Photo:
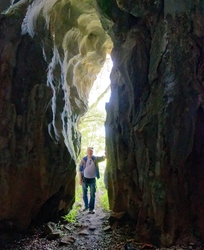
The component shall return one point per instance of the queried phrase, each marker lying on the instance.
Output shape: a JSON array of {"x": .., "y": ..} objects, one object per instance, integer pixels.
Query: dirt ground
[{"x": 89, "y": 232}]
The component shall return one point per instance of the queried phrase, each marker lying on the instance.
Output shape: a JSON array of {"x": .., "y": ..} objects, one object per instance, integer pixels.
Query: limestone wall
[
  {"x": 154, "y": 127},
  {"x": 51, "y": 52}
]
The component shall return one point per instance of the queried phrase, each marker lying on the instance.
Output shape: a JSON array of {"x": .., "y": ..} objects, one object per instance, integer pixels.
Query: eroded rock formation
[
  {"x": 154, "y": 126},
  {"x": 4, "y": 4},
  {"x": 51, "y": 52}
]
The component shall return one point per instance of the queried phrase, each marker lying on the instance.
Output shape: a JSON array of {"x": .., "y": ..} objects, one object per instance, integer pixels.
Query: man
[{"x": 88, "y": 171}]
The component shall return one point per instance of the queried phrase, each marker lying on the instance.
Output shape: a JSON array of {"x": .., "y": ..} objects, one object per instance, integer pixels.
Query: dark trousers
[{"x": 91, "y": 184}]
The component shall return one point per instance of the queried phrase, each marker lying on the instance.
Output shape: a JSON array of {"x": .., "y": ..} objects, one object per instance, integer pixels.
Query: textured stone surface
[
  {"x": 50, "y": 54},
  {"x": 4, "y": 4},
  {"x": 154, "y": 124}
]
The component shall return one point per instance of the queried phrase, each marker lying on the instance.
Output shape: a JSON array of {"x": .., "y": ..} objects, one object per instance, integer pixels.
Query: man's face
[{"x": 89, "y": 152}]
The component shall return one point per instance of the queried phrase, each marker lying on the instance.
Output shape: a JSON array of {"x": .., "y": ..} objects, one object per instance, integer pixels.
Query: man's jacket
[{"x": 95, "y": 159}]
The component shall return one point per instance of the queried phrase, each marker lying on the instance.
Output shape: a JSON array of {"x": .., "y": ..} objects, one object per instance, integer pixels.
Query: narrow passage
[
  {"x": 89, "y": 232},
  {"x": 96, "y": 231}
]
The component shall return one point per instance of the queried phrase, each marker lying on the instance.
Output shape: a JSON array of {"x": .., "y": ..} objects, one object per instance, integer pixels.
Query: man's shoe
[
  {"x": 85, "y": 209},
  {"x": 91, "y": 212}
]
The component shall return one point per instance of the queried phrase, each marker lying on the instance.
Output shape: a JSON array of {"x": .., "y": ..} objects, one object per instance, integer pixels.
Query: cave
[{"x": 50, "y": 55}]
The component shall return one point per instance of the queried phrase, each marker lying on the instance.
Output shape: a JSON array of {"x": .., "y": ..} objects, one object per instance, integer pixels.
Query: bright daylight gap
[{"x": 93, "y": 134}]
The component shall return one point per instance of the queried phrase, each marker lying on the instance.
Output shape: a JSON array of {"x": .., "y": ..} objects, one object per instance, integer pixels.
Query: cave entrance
[{"x": 92, "y": 130}]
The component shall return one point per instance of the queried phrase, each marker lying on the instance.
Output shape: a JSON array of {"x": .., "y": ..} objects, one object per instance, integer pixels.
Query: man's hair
[{"x": 90, "y": 148}]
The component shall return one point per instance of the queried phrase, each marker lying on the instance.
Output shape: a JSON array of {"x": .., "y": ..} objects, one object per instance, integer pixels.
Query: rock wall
[
  {"x": 50, "y": 54},
  {"x": 154, "y": 127},
  {"x": 4, "y": 4}
]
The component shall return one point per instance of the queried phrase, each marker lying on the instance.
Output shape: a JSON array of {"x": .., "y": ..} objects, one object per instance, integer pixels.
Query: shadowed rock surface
[
  {"x": 154, "y": 126},
  {"x": 4, "y": 4},
  {"x": 50, "y": 54}
]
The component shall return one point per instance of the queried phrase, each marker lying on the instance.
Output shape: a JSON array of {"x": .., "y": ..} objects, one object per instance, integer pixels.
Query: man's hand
[
  {"x": 80, "y": 181},
  {"x": 104, "y": 156}
]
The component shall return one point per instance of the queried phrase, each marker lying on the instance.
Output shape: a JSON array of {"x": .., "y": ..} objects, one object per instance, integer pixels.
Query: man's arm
[
  {"x": 100, "y": 158},
  {"x": 80, "y": 172},
  {"x": 80, "y": 178}
]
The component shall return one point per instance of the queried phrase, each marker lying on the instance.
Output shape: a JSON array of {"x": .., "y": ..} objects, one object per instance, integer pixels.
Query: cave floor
[{"x": 89, "y": 232}]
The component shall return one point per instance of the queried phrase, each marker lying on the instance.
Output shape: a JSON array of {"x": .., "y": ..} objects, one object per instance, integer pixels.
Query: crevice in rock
[{"x": 50, "y": 54}]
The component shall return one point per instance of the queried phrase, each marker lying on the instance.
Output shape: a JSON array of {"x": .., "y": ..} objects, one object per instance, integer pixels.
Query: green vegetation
[
  {"x": 71, "y": 216},
  {"x": 91, "y": 127},
  {"x": 104, "y": 200},
  {"x": 102, "y": 192}
]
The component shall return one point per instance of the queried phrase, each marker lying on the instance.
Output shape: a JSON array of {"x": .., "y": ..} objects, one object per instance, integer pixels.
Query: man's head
[{"x": 89, "y": 151}]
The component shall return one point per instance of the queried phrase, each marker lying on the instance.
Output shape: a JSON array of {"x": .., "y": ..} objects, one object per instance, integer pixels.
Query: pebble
[
  {"x": 49, "y": 228},
  {"x": 67, "y": 228},
  {"x": 54, "y": 235},
  {"x": 108, "y": 228},
  {"x": 89, "y": 233},
  {"x": 67, "y": 240},
  {"x": 83, "y": 232},
  {"x": 92, "y": 227}
]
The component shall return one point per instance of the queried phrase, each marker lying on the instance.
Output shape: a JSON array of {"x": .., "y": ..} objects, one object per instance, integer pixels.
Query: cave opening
[{"x": 92, "y": 129}]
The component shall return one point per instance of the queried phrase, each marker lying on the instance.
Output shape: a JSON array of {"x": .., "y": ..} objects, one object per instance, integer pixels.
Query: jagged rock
[
  {"x": 50, "y": 55},
  {"x": 4, "y": 4},
  {"x": 77, "y": 224},
  {"x": 92, "y": 227},
  {"x": 155, "y": 117},
  {"x": 48, "y": 63},
  {"x": 51, "y": 232},
  {"x": 67, "y": 240},
  {"x": 108, "y": 228},
  {"x": 54, "y": 235},
  {"x": 67, "y": 228},
  {"x": 128, "y": 246},
  {"x": 83, "y": 232},
  {"x": 121, "y": 216},
  {"x": 49, "y": 228}
]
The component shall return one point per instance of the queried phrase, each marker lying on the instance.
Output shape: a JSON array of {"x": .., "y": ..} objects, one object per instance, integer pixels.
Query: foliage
[
  {"x": 103, "y": 194},
  {"x": 91, "y": 124},
  {"x": 92, "y": 128},
  {"x": 104, "y": 201},
  {"x": 71, "y": 216},
  {"x": 92, "y": 131}
]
